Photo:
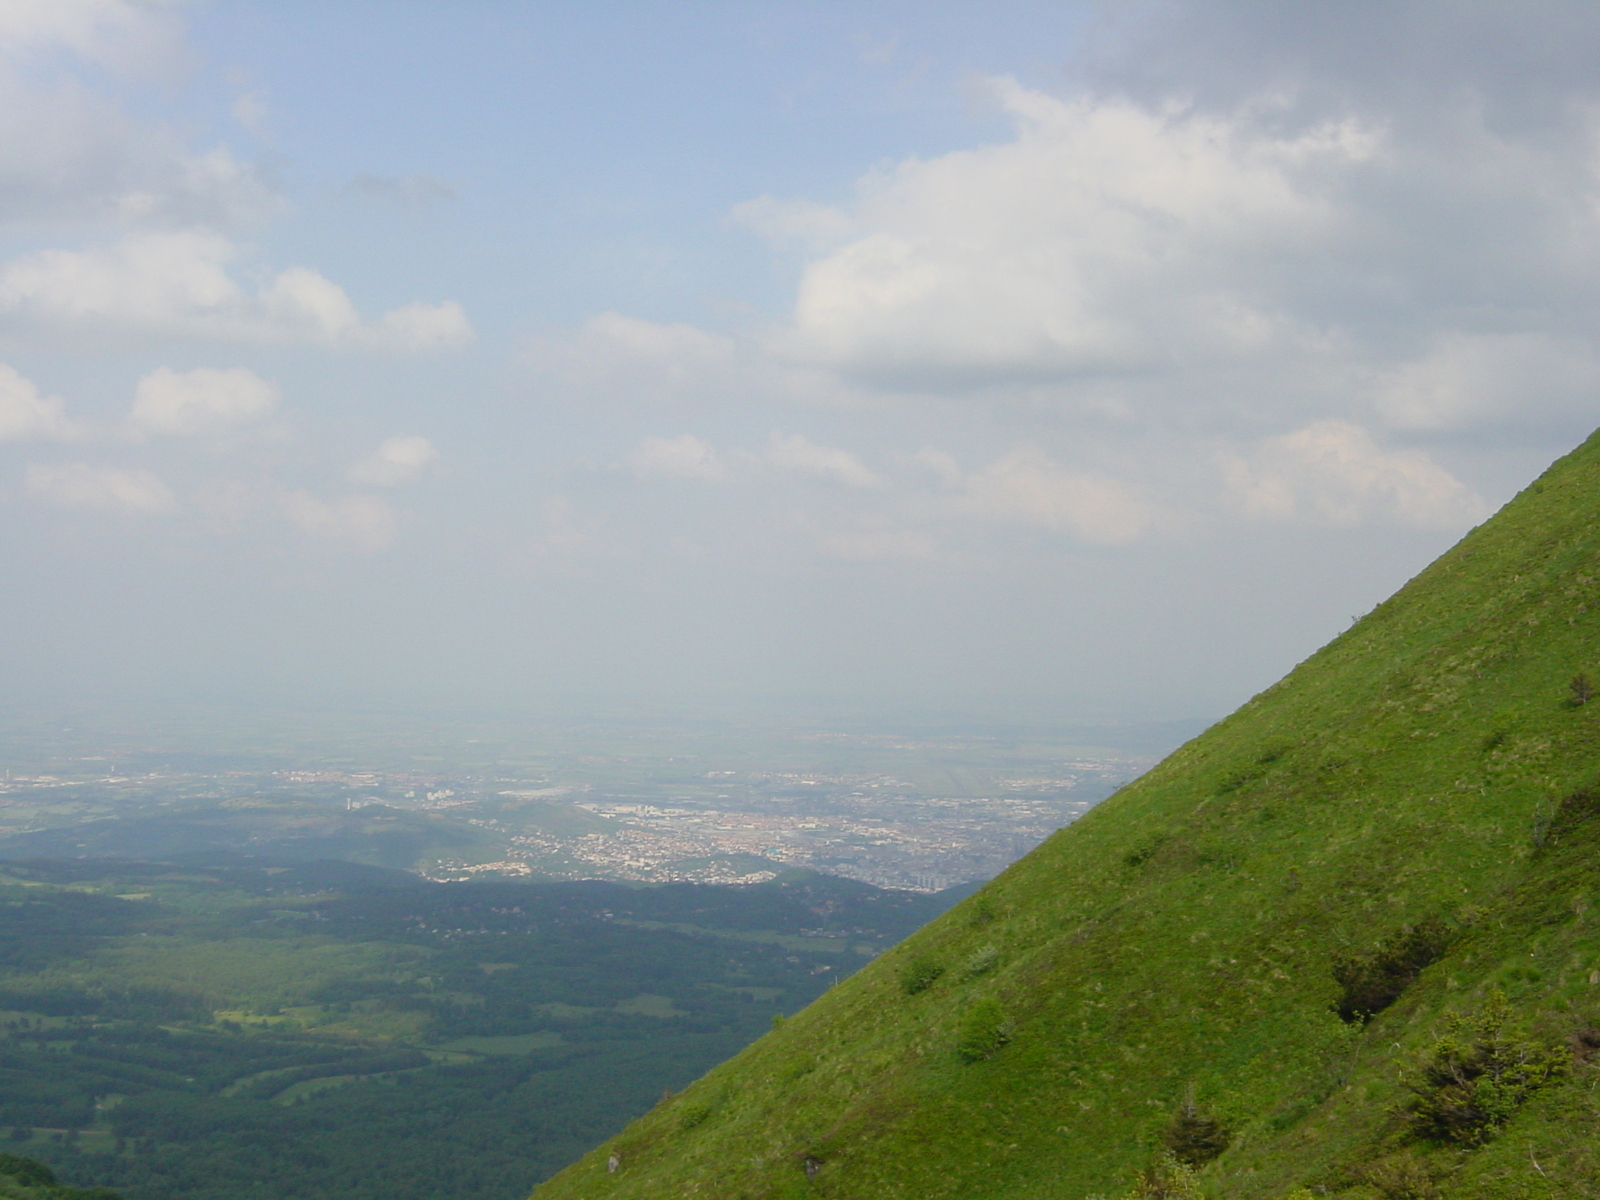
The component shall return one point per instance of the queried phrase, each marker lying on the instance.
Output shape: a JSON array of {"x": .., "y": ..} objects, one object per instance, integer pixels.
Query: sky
[{"x": 1094, "y": 359}]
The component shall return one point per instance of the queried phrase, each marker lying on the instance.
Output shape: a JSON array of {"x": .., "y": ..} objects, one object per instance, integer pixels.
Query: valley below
[{"x": 410, "y": 963}]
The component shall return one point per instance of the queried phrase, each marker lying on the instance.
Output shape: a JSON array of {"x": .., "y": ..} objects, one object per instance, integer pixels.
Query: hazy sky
[{"x": 1101, "y": 358}]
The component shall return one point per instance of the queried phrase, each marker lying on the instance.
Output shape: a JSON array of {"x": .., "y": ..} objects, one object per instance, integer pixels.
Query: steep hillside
[{"x": 1401, "y": 827}]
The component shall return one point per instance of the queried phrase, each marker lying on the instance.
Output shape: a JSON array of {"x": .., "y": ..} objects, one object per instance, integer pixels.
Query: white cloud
[
  {"x": 420, "y": 327},
  {"x": 397, "y": 460},
  {"x": 1105, "y": 236},
  {"x": 682, "y": 457},
  {"x": 1027, "y": 486},
  {"x": 24, "y": 413},
  {"x": 204, "y": 401},
  {"x": 1332, "y": 473},
  {"x": 68, "y": 154},
  {"x": 124, "y": 35},
  {"x": 70, "y": 151},
  {"x": 177, "y": 284},
  {"x": 798, "y": 455},
  {"x": 1472, "y": 379},
  {"x": 99, "y": 489},
  {"x": 367, "y": 523}
]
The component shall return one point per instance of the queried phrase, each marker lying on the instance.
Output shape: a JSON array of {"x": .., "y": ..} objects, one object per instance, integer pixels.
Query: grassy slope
[{"x": 1179, "y": 937}]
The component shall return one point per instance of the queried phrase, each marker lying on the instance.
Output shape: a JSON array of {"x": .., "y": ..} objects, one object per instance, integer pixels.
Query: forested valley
[{"x": 246, "y": 1028}]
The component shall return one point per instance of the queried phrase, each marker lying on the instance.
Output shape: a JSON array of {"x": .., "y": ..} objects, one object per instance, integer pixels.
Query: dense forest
[{"x": 245, "y": 1028}]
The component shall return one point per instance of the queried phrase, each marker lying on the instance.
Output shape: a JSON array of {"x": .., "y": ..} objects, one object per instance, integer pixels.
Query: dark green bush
[
  {"x": 1145, "y": 850},
  {"x": 27, "y": 1171},
  {"x": 983, "y": 1030},
  {"x": 1372, "y": 982},
  {"x": 919, "y": 975}
]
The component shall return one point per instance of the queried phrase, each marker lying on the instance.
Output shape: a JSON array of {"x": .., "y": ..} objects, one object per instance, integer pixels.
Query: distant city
[{"x": 919, "y": 813}]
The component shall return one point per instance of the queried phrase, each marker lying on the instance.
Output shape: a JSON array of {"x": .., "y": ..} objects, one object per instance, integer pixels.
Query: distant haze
[{"x": 1075, "y": 359}]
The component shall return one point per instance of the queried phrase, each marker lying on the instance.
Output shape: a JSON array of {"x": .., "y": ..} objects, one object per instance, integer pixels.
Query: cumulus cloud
[
  {"x": 1332, "y": 473},
  {"x": 1294, "y": 239},
  {"x": 127, "y": 36},
  {"x": 364, "y": 522},
  {"x": 1027, "y": 486},
  {"x": 397, "y": 460},
  {"x": 24, "y": 413},
  {"x": 682, "y": 457},
  {"x": 177, "y": 284},
  {"x": 69, "y": 152},
  {"x": 1105, "y": 236},
  {"x": 1467, "y": 379},
  {"x": 204, "y": 401},
  {"x": 99, "y": 489},
  {"x": 797, "y": 455},
  {"x": 419, "y": 326}
]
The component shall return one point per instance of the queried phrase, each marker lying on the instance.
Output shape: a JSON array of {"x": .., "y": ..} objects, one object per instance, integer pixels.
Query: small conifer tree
[
  {"x": 1581, "y": 689},
  {"x": 1193, "y": 1137}
]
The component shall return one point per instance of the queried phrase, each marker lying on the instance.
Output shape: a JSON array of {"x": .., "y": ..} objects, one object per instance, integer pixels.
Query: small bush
[
  {"x": 919, "y": 975},
  {"x": 983, "y": 960},
  {"x": 983, "y": 1030},
  {"x": 1144, "y": 851},
  {"x": 1165, "y": 1179},
  {"x": 693, "y": 1116},
  {"x": 1372, "y": 982},
  {"x": 1401, "y": 1177},
  {"x": 1476, "y": 1076},
  {"x": 1194, "y": 1138}
]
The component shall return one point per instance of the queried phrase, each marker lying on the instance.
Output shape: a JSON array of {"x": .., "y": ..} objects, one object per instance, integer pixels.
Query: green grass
[{"x": 1177, "y": 943}]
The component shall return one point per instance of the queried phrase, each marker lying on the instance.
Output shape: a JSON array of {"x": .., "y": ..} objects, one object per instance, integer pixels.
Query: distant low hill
[
  {"x": 1347, "y": 940},
  {"x": 376, "y": 834}
]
